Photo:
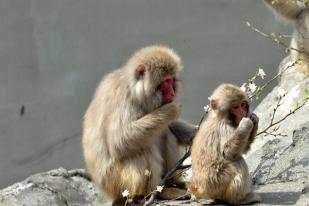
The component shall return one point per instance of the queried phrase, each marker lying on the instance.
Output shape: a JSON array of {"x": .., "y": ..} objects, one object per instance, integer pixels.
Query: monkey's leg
[
  {"x": 173, "y": 193},
  {"x": 240, "y": 184}
]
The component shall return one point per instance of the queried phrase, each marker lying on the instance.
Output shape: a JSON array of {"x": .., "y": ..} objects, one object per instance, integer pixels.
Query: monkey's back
[{"x": 97, "y": 125}]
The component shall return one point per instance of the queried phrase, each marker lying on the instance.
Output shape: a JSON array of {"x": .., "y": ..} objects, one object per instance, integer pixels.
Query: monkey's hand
[
  {"x": 171, "y": 110},
  {"x": 255, "y": 121},
  {"x": 245, "y": 126},
  {"x": 254, "y": 118}
]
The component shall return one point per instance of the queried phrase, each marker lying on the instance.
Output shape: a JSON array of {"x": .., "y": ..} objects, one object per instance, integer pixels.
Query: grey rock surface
[
  {"x": 284, "y": 163},
  {"x": 57, "y": 187},
  {"x": 60, "y": 187},
  {"x": 288, "y": 193}
]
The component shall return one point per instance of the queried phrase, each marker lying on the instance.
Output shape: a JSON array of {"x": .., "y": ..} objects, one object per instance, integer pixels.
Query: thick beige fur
[
  {"x": 128, "y": 131},
  {"x": 219, "y": 172}
]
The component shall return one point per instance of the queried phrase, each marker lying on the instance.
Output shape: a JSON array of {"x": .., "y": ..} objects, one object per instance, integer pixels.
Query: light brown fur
[
  {"x": 127, "y": 130},
  {"x": 296, "y": 12},
  {"x": 219, "y": 171}
]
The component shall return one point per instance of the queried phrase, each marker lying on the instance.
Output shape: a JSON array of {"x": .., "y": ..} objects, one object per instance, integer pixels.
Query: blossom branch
[
  {"x": 272, "y": 124},
  {"x": 274, "y": 78},
  {"x": 276, "y": 38}
]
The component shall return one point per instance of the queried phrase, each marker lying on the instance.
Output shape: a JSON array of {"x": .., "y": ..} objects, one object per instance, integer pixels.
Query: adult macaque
[
  {"x": 219, "y": 172},
  {"x": 130, "y": 127},
  {"x": 297, "y": 12}
]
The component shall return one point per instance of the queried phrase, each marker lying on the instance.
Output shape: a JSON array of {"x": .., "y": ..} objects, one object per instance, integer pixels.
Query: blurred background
[{"x": 54, "y": 53}]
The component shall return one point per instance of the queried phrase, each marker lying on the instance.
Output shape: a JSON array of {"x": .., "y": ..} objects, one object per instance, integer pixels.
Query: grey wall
[{"x": 53, "y": 54}]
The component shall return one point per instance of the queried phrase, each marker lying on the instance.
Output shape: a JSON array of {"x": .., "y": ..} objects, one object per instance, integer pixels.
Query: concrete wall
[{"x": 53, "y": 54}]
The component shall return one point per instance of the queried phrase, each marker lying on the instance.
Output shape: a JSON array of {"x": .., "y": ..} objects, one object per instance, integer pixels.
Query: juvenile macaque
[
  {"x": 131, "y": 136},
  {"x": 219, "y": 172},
  {"x": 297, "y": 12}
]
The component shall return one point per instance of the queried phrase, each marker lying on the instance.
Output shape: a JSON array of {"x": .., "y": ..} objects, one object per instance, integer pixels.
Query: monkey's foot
[{"x": 172, "y": 193}]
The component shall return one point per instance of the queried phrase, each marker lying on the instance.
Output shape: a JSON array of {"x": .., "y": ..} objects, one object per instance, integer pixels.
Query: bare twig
[
  {"x": 272, "y": 124},
  {"x": 203, "y": 117},
  {"x": 276, "y": 134},
  {"x": 177, "y": 198},
  {"x": 275, "y": 37},
  {"x": 275, "y": 110}
]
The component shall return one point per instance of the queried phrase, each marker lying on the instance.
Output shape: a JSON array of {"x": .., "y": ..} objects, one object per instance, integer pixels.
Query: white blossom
[
  {"x": 261, "y": 73},
  {"x": 206, "y": 108},
  {"x": 277, "y": 155},
  {"x": 125, "y": 193},
  {"x": 159, "y": 188},
  {"x": 252, "y": 87},
  {"x": 243, "y": 87},
  {"x": 147, "y": 173},
  {"x": 281, "y": 92}
]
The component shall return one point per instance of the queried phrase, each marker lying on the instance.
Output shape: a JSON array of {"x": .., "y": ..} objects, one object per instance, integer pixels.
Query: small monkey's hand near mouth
[
  {"x": 254, "y": 118},
  {"x": 245, "y": 125}
]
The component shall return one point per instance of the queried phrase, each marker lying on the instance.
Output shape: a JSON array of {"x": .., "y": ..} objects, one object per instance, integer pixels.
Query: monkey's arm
[
  {"x": 141, "y": 133},
  {"x": 255, "y": 121},
  {"x": 286, "y": 8},
  {"x": 183, "y": 131},
  {"x": 235, "y": 144}
]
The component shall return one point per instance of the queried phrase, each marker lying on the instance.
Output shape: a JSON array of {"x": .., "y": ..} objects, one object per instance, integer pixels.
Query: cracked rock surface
[{"x": 57, "y": 187}]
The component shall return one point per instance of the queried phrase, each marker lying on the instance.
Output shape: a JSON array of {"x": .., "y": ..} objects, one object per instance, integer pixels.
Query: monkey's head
[
  {"x": 229, "y": 102},
  {"x": 154, "y": 70}
]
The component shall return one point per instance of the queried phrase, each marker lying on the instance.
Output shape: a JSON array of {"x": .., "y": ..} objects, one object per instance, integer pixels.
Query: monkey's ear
[
  {"x": 213, "y": 105},
  {"x": 140, "y": 72}
]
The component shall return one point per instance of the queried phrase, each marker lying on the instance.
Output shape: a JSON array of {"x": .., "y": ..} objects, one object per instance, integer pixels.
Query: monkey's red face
[
  {"x": 167, "y": 87},
  {"x": 239, "y": 109}
]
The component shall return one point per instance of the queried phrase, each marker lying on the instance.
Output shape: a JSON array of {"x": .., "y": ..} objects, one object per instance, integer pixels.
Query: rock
[
  {"x": 289, "y": 77},
  {"x": 56, "y": 187},
  {"x": 62, "y": 188},
  {"x": 288, "y": 193},
  {"x": 284, "y": 163}
]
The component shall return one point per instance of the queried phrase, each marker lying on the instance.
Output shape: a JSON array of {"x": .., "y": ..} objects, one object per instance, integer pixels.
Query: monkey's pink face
[
  {"x": 167, "y": 88},
  {"x": 239, "y": 109}
]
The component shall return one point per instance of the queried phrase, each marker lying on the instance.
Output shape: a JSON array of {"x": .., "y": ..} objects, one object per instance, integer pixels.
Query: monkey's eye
[
  {"x": 158, "y": 87},
  {"x": 243, "y": 104}
]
